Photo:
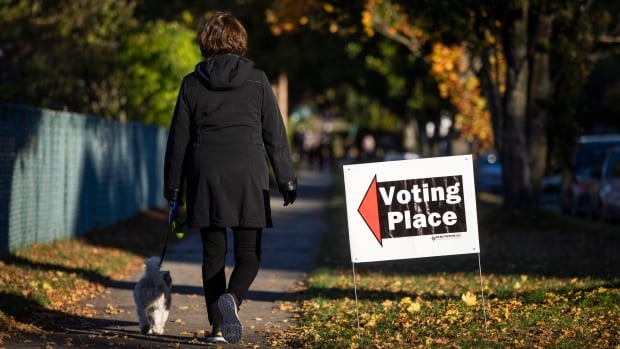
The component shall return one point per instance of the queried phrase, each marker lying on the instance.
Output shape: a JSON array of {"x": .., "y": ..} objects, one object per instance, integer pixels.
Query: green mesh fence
[{"x": 63, "y": 174}]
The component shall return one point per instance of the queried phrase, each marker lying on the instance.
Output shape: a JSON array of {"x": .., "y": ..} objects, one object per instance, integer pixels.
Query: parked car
[
  {"x": 605, "y": 187},
  {"x": 488, "y": 173},
  {"x": 576, "y": 182}
]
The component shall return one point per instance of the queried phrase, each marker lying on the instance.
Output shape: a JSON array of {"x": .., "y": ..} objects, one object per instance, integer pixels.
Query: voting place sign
[{"x": 411, "y": 208}]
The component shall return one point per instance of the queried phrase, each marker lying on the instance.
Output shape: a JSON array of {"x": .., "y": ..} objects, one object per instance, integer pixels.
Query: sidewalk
[{"x": 289, "y": 251}]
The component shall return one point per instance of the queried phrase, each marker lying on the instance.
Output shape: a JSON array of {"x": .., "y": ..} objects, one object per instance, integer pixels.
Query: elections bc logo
[{"x": 414, "y": 207}]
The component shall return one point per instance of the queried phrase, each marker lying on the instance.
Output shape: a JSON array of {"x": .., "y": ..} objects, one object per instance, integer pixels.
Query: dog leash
[
  {"x": 173, "y": 226},
  {"x": 172, "y": 213}
]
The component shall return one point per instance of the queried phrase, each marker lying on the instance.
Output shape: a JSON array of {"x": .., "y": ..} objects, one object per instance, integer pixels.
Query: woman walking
[{"x": 225, "y": 131}]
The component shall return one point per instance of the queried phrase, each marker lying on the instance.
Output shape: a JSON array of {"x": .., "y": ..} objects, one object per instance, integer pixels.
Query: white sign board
[{"x": 411, "y": 208}]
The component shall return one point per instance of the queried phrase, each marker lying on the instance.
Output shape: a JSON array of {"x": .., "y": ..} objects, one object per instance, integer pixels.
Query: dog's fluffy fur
[{"x": 152, "y": 297}]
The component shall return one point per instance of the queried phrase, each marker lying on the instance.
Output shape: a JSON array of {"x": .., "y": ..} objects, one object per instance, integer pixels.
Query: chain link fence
[{"x": 63, "y": 174}]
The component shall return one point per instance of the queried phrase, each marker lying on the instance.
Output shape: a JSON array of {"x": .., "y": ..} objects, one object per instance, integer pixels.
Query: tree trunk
[
  {"x": 541, "y": 90},
  {"x": 514, "y": 152},
  {"x": 492, "y": 94},
  {"x": 410, "y": 141},
  {"x": 281, "y": 91}
]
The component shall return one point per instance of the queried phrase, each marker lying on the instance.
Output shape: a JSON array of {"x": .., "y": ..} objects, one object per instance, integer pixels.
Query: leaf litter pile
[
  {"x": 548, "y": 281},
  {"x": 41, "y": 287}
]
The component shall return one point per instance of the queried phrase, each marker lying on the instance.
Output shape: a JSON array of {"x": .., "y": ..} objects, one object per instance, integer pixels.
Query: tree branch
[
  {"x": 412, "y": 43},
  {"x": 608, "y": 39}
]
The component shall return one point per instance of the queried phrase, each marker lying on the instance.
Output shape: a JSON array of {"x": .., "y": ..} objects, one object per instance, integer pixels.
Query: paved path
[{"x": 289, "y": 251}]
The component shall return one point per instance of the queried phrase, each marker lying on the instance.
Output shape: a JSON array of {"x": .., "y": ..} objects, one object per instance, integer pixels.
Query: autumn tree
[
  {"x": 530, "y": 57},
  {"x": 375, "y": 68}
]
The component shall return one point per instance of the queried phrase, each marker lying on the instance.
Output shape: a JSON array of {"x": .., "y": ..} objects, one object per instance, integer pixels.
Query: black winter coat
[{"x": 225, "y": 128}]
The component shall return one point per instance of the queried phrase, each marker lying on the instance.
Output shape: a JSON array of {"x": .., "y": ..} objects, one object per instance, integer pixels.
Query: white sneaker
[
  {"x": 231, "y": 325},
  {"x": 216, "y": 338}
]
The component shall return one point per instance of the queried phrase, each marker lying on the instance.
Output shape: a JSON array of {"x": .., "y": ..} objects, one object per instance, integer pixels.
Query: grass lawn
[{"x": 549, "y": 281}]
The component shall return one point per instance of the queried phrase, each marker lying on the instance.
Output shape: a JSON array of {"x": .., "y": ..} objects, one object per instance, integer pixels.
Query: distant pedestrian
[
  {"x": 369, "y": 149},
  {"x": 226, "y": 124}
]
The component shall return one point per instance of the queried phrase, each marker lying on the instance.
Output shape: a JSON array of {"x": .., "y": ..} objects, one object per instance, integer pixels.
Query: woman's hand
[{"x": 289, "y": 196}]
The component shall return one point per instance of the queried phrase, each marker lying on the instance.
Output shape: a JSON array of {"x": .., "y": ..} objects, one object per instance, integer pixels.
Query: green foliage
[
  {"x": 123, "y": 59},
  {"x": 156, "y": 57},
  {"x": 366, "y": 112},
  {"x": 60, "y": 54},
  {"x": 94, "y": 57},
  {"x": 399, "y": 81}
]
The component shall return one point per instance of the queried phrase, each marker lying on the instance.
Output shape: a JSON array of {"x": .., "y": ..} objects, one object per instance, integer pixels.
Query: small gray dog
[{"x": 152, "y": 297}]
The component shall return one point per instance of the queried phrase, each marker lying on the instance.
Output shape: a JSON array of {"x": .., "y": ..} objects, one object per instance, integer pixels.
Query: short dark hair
[{"x": 222, "y": 33}]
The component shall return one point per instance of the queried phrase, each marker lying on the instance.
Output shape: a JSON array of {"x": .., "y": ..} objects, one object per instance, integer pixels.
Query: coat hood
[{"x": 224, "y": 71}]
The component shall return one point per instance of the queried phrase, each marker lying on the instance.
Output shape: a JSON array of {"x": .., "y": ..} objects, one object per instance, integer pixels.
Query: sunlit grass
[{"x": 537, "y": 293}]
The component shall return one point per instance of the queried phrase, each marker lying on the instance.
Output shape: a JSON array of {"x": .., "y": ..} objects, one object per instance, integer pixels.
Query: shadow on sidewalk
[{"x": 109, "y": 320}]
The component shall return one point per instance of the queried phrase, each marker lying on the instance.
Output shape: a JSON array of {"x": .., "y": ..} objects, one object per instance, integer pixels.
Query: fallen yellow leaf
[
  {"x": 469, "y": 298},
  {"x": 414, "y": 307}
]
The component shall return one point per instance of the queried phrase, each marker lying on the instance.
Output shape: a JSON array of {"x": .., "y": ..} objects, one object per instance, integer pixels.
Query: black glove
[
  {"x": 289, "y": 196},
  {"x": 288, "y": 191},
  {"x": 172, "y": 195}
]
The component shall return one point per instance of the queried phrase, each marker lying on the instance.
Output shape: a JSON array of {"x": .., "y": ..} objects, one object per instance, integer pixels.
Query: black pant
[{"x": 247, "y": 251}]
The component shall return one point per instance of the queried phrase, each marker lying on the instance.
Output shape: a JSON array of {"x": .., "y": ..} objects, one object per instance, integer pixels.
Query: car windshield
[{"x": 591, "y": 155}]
